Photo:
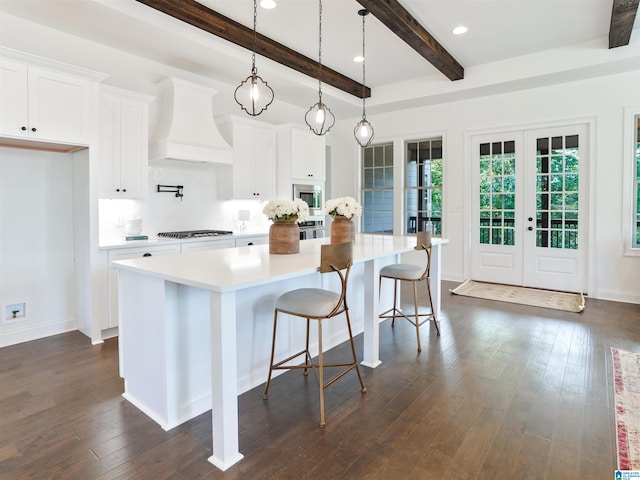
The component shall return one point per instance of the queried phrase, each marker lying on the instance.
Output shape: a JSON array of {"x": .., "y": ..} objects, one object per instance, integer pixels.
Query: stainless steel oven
[{"x": 312, "y": 195}]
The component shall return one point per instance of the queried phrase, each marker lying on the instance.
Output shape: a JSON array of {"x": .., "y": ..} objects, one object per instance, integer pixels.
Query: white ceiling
[{"x": 500, "y": 32}]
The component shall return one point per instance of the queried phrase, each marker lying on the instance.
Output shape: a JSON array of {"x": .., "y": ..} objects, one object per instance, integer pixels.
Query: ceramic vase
[
  {"x": 342, "y": 229},
  {"x": 284, "y": 237}
]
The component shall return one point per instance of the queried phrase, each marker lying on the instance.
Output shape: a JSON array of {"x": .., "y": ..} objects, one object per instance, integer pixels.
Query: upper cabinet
[
  {"x": 253, "y": 174},
  {"x": 43, "y": 105},
  {"x": 123, "y": 143},
  {"x": 301, "y": 155}
]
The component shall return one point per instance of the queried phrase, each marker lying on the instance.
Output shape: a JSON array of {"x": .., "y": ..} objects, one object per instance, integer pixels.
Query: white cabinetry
[
  {"x": 301, "y": 155},
  {"x": 207, "y": 245},
  {"x": 253, "y": 175},
  {"x": 111, "y": 320},
  {"x": 252, "y": 240},
  {"x": 123, "y": 151},
  {"x": 43, "y": 105}
]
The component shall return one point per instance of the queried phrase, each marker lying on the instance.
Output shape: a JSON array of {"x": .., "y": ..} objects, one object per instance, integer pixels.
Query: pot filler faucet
[{"x": 177, "y": 189}]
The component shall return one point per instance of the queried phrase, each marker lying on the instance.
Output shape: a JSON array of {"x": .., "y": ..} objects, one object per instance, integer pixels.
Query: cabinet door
[
  {"x": 307, "y": 156},
  {"x": 123, "y": 147},
  {"x": 109, "y": 148},
  {"x": 13, "y": 99},
  {"x": 243, "y": 162},
  {"x": 58, "y": 107},
  {"x": 207, "y": 245},
  {"x": 264, "y": 170},
  {"x": 134, "y": 147}
]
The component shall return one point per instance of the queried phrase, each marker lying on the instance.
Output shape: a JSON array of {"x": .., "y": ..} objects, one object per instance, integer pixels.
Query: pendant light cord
[
  {"x": 255, "y": 39},
  {"x": 364, "y": 61},
  {"x": 320, "y": 50}
]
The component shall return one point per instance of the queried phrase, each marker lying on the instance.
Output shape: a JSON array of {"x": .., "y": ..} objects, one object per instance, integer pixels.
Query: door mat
[
  {"x": 626, "y": 393},
  {"x": 570, "y": 302}
]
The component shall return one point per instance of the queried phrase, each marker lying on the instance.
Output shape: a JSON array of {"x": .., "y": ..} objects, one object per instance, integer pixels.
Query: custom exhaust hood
[{"x": 186, "y": 128}]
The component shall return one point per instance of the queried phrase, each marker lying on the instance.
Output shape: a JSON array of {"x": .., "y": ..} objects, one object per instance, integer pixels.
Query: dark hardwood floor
[{"x": 506, "y": 392}]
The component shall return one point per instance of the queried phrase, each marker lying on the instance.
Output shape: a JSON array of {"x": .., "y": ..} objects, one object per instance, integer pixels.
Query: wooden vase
[
  {"x": 342, "y": 229},
  {"x": 284, "y": 237}
]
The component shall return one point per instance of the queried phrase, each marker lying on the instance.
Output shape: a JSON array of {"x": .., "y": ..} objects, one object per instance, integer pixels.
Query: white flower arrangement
[
  {"x": 345, "y": 206},
  {"x": 279, "y": 209}
]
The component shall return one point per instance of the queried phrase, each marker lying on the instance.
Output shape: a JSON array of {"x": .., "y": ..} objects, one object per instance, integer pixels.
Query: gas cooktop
[{"x": 195, "y": 233}]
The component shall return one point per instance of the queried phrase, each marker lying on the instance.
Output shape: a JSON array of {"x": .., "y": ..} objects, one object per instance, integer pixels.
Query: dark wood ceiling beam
[
  {"x": 623, "y": 14},
  {"x": 204, "y": 18},
  {"x": 404, "y": 25}
]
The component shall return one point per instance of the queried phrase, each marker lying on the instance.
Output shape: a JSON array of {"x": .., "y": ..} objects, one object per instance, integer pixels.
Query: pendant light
[
  {"x": 319, "y": 117},
  {"x": 364, "y": 130},
  {"x": 253, "y": 94}
]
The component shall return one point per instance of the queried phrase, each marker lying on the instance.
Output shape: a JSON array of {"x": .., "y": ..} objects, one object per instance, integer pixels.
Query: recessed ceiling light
[
  {"x": 268, "y": 4},
  {"x": 459, "y": 30},
  {"x": 358, "y": 59}
]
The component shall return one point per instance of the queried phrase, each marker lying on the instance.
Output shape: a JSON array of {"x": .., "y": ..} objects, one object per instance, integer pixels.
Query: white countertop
[
  {"x": 114, "y": 243},
  {"x": 241, "y": 267}
]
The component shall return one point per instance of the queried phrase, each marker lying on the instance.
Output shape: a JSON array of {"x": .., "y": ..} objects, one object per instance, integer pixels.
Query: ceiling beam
[
  {"x": 623, "y": 14},
  {"x": 204, "y": 18},
  {"x": 404, "y": 25}
]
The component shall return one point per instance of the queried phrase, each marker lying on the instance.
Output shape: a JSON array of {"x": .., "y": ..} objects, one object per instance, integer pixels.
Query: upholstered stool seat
[
  {"x": 308, "y": 302},
  {"x": 318, "y": 304},
  {"x": 408, "y": 272}
]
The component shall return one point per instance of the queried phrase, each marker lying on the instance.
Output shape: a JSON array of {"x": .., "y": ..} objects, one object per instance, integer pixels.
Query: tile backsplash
[{"x": 199, "y": 208}]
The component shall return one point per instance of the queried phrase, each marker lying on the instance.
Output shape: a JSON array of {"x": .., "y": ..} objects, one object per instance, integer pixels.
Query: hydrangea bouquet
[
  {"x": 278, "y": 209},
  {"x": 345, "y": 206}
]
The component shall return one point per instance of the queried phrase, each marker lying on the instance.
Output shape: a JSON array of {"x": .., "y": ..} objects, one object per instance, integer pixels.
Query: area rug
[
  {"x": 570, "y": 302},
  {"x": 626, "y": 377}
]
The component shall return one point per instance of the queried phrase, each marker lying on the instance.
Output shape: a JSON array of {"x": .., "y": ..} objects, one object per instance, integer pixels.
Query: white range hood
[{"x": 186, "y": 128}]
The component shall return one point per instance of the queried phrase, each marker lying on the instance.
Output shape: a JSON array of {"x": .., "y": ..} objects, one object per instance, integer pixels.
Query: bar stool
[
  {"x": 405, "y": 272},
  {"x": 318, "y": 304}
]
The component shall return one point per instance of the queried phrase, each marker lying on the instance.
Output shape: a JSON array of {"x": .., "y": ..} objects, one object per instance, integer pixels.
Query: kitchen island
[{"x": 195, "y": 328}]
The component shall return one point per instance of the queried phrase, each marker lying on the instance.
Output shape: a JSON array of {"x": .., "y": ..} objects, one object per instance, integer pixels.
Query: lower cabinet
[
  {"x": 126, "y": 254},
  {"x": 252, "y": 240},
  {"x": 207, "y": 245}
]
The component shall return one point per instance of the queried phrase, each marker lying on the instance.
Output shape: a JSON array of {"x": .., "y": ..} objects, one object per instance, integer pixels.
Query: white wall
[
  {"x": 36, "y": 243},
  {"x": 600, "y": 101}
]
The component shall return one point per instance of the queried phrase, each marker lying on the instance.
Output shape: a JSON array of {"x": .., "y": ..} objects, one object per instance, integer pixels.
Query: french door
[{"x": 529, "y": 220}]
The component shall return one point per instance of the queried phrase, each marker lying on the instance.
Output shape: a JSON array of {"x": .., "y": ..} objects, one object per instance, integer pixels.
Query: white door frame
[{"x": 468, "y": 195}]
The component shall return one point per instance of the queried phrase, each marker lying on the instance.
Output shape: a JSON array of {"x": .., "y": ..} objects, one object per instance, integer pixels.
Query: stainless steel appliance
[
  {"x": 311, "y": 229},
  {"x": 312, "y": 195},
  {"x": 194, "y": 233}
]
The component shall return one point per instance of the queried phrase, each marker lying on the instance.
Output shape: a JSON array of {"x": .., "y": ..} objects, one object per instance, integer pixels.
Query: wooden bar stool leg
[
  {"x": 415, "y": 303},
  {"x": 265, "y": 395},
  {"x": 321, "y": 373}
]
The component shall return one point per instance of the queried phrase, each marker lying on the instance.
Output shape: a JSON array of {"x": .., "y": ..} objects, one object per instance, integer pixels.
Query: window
[
  {"x": 424, "y": 185},
  {"x": 636, "y": 226},
  {"x": 497, "y": 193},
  {"x": 377, "y": 191}
]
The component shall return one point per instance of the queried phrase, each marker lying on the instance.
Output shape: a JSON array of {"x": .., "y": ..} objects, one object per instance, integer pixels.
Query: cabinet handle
[
  {"x": 250, "y": 243},
  {"x": 310, "y": 175},
  {"x": 33, "y": 129},
  {"x": 146, "y": 254},
  {"x": 117, "y": 189},
  {"x": 23, "y": 128},
  {"x": 124, "y": 189}
]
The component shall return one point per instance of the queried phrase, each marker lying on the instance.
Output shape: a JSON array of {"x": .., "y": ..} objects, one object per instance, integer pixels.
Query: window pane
[{"x": 377, "y": 185}]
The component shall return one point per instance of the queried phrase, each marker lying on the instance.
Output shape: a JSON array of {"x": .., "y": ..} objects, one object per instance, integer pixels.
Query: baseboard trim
[{"x": 36, "y": 332}]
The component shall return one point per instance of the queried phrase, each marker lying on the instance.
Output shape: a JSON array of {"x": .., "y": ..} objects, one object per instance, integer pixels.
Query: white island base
[{"x": 192, "y": 321}]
